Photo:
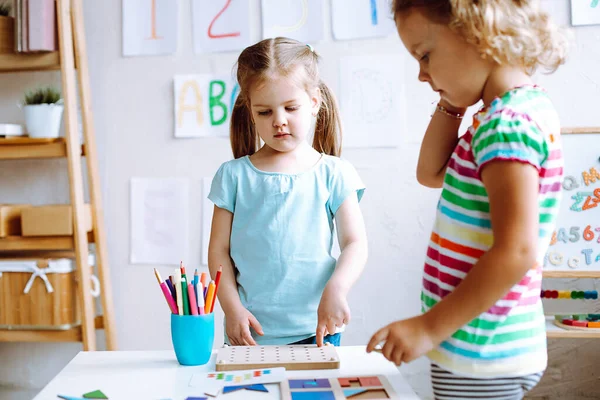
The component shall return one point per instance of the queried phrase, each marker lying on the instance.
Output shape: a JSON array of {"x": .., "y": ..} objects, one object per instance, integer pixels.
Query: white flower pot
[{"x": 43, "y": 120}]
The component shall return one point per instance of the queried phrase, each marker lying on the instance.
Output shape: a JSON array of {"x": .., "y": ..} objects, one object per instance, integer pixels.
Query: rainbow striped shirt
[{"x": 509, "y": 339}]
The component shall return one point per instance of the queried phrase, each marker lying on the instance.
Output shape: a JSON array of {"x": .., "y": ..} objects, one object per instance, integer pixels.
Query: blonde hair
[
  {"x": 283, "y": 57},
  {"x": 512, "y": 32}
]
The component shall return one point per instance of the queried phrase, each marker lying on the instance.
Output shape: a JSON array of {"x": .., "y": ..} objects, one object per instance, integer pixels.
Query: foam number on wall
[
  {"x": 297, "y": 19},
  {"x": 355, "y": 19},
  {"x": 199, "y": 96},
  {"x": 220, "y": 25},
  {"x": 149, "y": 27}
]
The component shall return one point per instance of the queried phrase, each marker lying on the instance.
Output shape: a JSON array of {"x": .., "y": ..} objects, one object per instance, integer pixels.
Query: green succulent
[{"x": 45, "y": 95}]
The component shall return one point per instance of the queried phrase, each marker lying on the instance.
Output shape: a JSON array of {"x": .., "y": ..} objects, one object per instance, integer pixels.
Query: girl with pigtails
[{"x": 277, "y": 201}]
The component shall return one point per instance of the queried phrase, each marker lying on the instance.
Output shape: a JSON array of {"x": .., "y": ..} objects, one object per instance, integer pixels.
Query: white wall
[{"x": 133, "y": 103}]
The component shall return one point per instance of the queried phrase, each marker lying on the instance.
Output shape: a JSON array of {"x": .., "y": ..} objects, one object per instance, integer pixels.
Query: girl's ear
[{"x": 315, "y": 101}]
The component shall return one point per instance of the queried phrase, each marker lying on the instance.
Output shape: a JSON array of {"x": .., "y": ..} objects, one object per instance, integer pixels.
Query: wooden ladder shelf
[{"x": 72, "y": 53}]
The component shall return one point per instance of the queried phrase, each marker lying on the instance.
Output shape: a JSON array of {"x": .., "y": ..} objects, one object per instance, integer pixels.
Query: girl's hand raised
[
  {"x": 237, "y": 327},
  {"x": 333, "y": 312}
]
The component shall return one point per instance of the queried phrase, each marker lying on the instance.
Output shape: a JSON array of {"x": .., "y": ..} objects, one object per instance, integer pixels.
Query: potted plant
[
  {"x": 43, "y": 112},
  {"x": 7, "y": 28}
]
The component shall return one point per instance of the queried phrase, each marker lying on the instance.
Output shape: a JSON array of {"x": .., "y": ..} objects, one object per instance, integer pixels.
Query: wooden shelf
[
  {"x": 554, "y": 332},
  {"x": 571, "y": 274},
  {"x": 35, "y": 335},
  {"x": 21, "y": 243},
  {"x": 31, "y": 148},
  {"x": 19, "y": 62},
  {"x": 14, "y": 244}
]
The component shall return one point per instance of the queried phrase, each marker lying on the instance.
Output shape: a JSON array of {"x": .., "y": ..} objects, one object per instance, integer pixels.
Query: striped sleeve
[{"x": 509, "y": 136}]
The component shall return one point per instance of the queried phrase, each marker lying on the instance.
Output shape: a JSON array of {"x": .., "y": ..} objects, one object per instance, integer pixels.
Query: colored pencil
[
  {"x": 200, "y": 299},
  {"x": 177, "y": 286},
  {"x": 217, "y": 280},
  {"x": 166, "y": 292},
  {"x": 209, "y": 297},
  {"x": 193, "y": 303}
]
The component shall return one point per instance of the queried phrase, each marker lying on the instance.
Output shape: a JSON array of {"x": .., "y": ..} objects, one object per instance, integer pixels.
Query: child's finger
[
  {"x": 331, "y": 324},
  {"x": 255, "y": 325},
  {"x": 377, "y": 338},
  {"x": 247, "y": 338},
  {"x": 320, "y": 334},
  {"x": 397, "y": 356}
]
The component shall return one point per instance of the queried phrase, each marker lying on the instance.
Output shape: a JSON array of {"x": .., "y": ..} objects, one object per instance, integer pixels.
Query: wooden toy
[
  {"x": 346, "y": 388},
  {"x": 294, "y": 357},
  {"x": 578, "y": 322}
]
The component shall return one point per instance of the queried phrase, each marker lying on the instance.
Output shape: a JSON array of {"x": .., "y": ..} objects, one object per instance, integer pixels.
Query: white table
[{"x": 157, "y": 375}]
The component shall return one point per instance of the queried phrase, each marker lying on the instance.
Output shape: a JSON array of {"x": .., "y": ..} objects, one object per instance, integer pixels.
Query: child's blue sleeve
[
  {"x": 345, "y": 182},
  {"x": 223, "y": 188}
]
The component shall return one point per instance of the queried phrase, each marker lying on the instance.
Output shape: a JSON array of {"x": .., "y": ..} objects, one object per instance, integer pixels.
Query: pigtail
[
  {"x": 242, "y": 134},
  {"x": 328, "y": 129}
]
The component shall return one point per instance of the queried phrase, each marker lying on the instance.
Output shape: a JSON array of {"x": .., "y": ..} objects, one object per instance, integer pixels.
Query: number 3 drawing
[{"x": 297, "y": 25}]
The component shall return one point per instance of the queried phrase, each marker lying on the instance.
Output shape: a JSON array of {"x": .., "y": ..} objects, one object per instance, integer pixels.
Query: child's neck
[
  {"x": 301, "y": 159},
  {"x": 501, "y": 80}
]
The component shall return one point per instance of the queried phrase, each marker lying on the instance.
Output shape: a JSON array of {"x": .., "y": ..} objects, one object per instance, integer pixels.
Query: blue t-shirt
[{"x": 281, "y": 239}]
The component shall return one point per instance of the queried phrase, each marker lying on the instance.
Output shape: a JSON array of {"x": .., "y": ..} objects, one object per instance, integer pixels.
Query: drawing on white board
[
  {"x": 297, "y": 19},
  {"x": 372, "y": 100},
  {"x": 585, "y": 12},
  {"x": 371, "y": 95},
  {"x": 356, "y": 19},
  {"x": 159, "y": 220},
  {"x": 149, "y": 27}
]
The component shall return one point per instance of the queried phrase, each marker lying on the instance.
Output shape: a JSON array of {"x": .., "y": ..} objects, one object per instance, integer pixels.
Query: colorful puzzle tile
[
  {"x": 254, "y": 388},
  {"x": 197, "y": 398},
  {"x": 309, "y": 383},
  {"x": 593, "y": 324},
  {"x": 62, "y": 396},
  {"x": 96, "y": 394},
  {"x": 366, "y": 381},
  {"x": 353, "y": 392},
  {"x": 346, "y": 382},
  {"x": 581, "y": 324},
  {"x": 313, "y": 395}
]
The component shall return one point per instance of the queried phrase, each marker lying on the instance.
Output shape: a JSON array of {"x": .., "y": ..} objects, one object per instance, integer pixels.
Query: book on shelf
[{"x": 35, "y": 25}]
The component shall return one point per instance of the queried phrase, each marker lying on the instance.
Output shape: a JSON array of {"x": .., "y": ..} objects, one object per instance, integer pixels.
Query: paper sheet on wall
[
  {"x": 356, "y": 19},
  {"x": 372, "y": 100},
  {"x": 203, "y": 104},
  {"x": 149, "y": 27},
  {"x": 159, "y": 220},
  {"x": 297, "y": 19},
  {"x": 220, "y": 26},
  {"x": 207, "y": 214},
  {"x": 585, "y": 12}
]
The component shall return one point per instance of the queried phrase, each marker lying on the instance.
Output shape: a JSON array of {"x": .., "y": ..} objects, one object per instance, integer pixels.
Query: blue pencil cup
[{"x": 193, "y": 337}]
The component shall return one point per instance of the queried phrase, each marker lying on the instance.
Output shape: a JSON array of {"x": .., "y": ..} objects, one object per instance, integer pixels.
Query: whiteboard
[{"x": 575, "y": 245}]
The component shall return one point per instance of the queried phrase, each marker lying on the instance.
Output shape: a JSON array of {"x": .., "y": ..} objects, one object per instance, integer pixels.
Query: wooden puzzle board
[
  {"x": 347, "y": 388},
  {"x": 295, "y": 357}
]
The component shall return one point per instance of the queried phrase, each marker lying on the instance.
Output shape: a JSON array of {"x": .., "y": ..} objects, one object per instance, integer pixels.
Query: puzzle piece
[
  {"x": 309, "y": 383},
  {"x": 313, "y": 396},
  {"x": 353, "y": 392},
  {"x": 255, "y": 388},
  {"x": 96, "y": 394},
  {"x": 366, "y": 381}
]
